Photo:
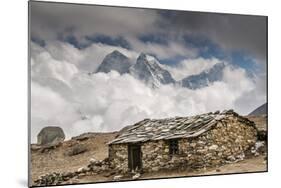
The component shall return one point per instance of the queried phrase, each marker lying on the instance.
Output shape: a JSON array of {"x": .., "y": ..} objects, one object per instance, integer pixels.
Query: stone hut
[{"x": 204, "y": 140}]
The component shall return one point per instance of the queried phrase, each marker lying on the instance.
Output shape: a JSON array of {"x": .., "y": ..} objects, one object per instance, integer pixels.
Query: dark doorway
[
  {"x": 134, "y": 157},
  {"x": 173, "y": 147}
]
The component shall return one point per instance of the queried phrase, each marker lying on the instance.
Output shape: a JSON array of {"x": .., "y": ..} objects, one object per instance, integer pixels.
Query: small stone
[
  {"x": 81, "y": 175},
  {"x": 68, "y": 174},
  {"x": 118, "y": 177},
  {"x": 80, "y": 170},
  {"x": 193, "y": 144},
  {"x": 213, "y": 147},
  {"x": 93, "y": 160},
  {"x": 256, "y": 154},
  {"x": 217, "y": 112},
  {"x": 201, "y": 142},
  {"x": 110, "y": 173},
  {"x": 231, "y": 158},
  {"x": 154, "y": 169},
  {"x": 220, "y": 154},
  {"x": 136, "y": 176}
]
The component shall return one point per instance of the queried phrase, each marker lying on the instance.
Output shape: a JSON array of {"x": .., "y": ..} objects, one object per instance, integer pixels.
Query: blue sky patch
[
  {"x": 113, "y": 41},
  {"x": 71, "y": 39},
  {"x": 154, "y": 38},
  {"x": 38, "y": 41},
  {"x": 207, "y": 48},
  {"x": 172, "y": 61},
  {"x": 243, "y": 60}
]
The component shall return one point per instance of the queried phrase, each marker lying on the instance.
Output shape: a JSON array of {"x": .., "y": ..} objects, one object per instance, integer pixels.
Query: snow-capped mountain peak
[
  {"x": 149, "y": 70},
  {"x": 115, "y": 61},
  {"x": 203, "y": 79}
]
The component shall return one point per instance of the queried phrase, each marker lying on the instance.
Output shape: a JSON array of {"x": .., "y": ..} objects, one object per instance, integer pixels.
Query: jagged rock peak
[{"x": 115, "y": 61}]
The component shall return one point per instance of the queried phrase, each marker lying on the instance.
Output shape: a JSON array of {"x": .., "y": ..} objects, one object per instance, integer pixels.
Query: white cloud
[
  {"x": 163, "y": 51},
  {"x": 60, "y": 89},
  {"x": 230, "y": 32},
  {"x": 86, "y": 60},
  {"x": 189, "y": 67},
  {"x": 254, "y": 97},
  {"x": 94, "y": 54},
  {"x": 112, "y": 101},
  {"x": 50, "y": 108},
  {"x": 44, "y": 65},
  {"x": 47, "y": 20},
  {"x": 64, "y": 52}
]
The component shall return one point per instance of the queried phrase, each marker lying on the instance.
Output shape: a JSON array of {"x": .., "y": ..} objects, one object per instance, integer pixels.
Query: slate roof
[{"x": 171, "y": 128}]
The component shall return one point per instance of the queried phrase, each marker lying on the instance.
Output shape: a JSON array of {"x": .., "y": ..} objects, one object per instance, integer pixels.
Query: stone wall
[
  {"x": 118, "y": 156},
  {"x": 227, "y": 142},
  {"x": 154, "y": 155}
]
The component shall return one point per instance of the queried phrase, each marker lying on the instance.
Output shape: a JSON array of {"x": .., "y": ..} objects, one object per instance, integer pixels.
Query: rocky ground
[
  {"x": 255, "y": 164},
  {"x": 260, "y": 121},
  {"x": 70, "y": 155},
  {"x": 73, "y": 154}
]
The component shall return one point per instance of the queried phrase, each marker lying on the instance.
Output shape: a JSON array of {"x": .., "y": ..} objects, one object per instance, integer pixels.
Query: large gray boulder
[{"x": 50, "y": 135}]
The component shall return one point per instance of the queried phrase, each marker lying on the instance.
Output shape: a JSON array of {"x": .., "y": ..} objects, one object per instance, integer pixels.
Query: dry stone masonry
[
  {"x": 199, "y": 141},
  {"x": 58, "y": 178}
]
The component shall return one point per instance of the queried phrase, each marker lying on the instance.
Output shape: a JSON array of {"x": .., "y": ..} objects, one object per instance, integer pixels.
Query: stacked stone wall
[{"x": 227, "y": 142}]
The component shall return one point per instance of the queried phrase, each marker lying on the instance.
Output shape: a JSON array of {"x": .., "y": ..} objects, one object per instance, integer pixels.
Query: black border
[{"x": 99, "y": 5}]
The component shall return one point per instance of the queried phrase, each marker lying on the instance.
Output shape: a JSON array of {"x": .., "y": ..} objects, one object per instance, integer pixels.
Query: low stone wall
[
  {"x": 59, "y": 178},
  {"x": 226, "y": 143}
]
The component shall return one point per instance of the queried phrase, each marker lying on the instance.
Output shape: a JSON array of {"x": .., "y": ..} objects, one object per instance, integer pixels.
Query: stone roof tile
[{"x": 171, "y": 128}]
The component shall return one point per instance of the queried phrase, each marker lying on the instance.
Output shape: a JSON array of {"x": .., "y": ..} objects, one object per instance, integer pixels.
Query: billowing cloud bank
[{"x": 62, "y": 93}]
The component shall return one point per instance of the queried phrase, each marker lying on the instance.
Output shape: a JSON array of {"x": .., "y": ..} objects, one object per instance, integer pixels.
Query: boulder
[
  {"x": 50, "y": 135},
  {"x": 76, "y": 150},
  {"x": 93, "y": 161}
]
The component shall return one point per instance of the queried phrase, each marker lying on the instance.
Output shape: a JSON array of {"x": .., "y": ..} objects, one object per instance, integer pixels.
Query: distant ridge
[
  {"x": 204, "y": 78},
  {"x": 260, "y": 110}
]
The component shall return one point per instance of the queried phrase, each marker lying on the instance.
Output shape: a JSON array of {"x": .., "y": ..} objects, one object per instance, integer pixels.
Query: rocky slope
[
  {"x": 261, "y": 110},
  {"x": 76, "y": 153}
]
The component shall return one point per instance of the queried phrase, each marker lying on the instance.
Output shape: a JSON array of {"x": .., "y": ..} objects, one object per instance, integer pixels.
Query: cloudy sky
[{"x": 68, "y": 41}]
